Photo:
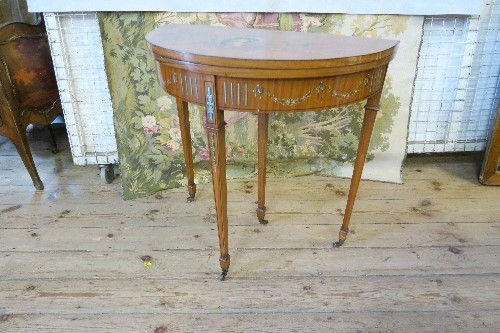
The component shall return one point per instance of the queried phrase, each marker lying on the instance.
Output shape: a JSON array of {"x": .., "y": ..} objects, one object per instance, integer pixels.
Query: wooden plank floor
[{"x": 420, "y": 257}]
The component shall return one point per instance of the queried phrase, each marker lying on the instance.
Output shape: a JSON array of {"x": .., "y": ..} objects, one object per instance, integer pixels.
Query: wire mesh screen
[
  {"x": 76, "y": 47},
  {"x": 457, "y": 83},
  {"x": 454, "y": 100}
]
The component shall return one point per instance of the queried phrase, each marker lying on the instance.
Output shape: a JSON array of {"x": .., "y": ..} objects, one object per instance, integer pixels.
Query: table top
[{"x": 259, "y": 48}]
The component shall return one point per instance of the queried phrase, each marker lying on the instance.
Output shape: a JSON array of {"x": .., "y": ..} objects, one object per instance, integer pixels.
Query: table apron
[{"x": 276, "y": 95}]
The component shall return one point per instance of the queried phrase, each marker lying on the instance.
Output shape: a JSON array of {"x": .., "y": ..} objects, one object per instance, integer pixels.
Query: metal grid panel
[
  {"x": 454, "y": 97},
  {"x": 438, "y": 75},
  {"x": 481, "y": 96},
  {"x": 78, "y": 58},
  {"x": 457, "y": 83}
]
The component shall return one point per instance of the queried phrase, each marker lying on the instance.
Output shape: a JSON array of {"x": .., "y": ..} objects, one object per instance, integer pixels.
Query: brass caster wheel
[
  {"x": 338, "y": 244},
  {"x": 223, "y": 275}
]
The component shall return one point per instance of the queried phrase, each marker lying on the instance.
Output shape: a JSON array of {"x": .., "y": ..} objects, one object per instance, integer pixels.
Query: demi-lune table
[{"x": 263, "y": 71}]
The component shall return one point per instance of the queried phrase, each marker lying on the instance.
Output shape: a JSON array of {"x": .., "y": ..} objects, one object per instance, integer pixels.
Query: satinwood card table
[{"x": 263, "y": 71}]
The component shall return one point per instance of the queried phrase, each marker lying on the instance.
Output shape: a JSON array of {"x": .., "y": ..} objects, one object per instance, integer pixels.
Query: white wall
[{"x": 406, "y": 7}]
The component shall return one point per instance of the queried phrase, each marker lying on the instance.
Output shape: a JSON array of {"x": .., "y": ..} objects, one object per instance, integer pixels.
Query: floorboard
[{"x": 422, "y": 256}]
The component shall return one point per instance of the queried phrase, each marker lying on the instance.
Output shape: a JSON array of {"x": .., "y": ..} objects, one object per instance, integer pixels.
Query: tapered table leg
[
  {"x": 183, "y": 111},
  {"x": 215, "y": 127},
  {"x": 371, "y": 108},
  {"x": 263, "y": 120}
]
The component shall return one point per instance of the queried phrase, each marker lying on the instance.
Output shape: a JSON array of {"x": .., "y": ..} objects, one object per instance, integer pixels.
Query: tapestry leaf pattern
[{"x": 147, "y": 125}]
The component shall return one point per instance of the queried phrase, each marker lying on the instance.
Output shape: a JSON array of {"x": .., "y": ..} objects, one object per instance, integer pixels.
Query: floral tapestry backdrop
[{"x": 322, "y": 142}]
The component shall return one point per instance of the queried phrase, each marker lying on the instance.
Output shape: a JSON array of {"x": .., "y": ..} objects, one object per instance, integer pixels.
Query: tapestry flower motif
[{"x": 147, "y": 124}]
